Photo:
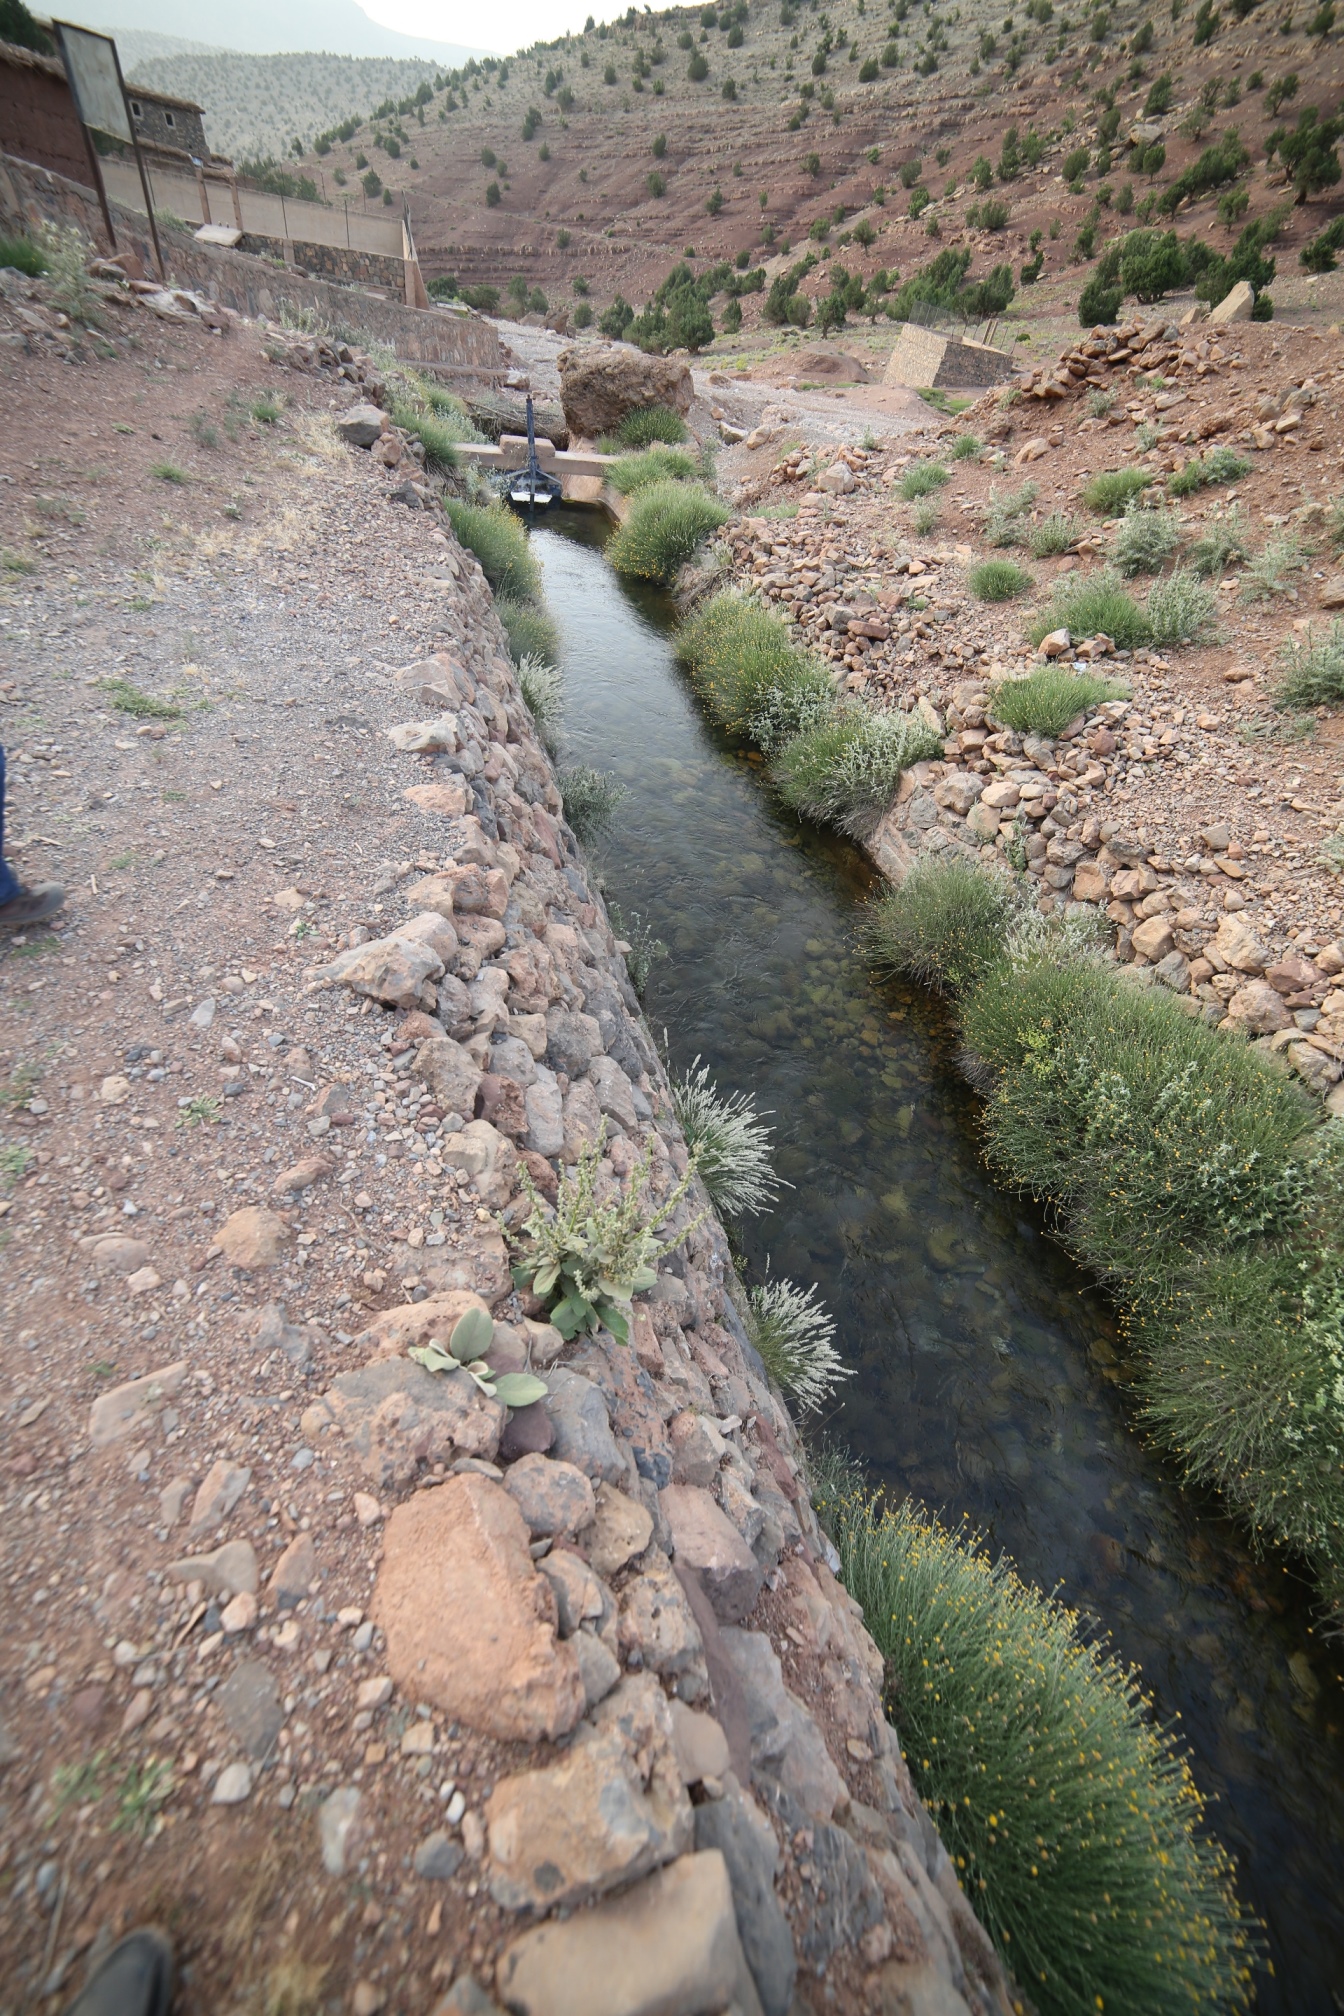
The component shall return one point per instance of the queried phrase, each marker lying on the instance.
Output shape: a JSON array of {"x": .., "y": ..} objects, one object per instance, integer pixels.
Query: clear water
[{"x": 985, "y": 1365}]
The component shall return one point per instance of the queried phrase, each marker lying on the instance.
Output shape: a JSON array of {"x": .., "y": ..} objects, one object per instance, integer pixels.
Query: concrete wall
[
  {"x": 927, "y": 357},
  {"x": 464, "y": 345},
  {"x": 281, "y": 218}
]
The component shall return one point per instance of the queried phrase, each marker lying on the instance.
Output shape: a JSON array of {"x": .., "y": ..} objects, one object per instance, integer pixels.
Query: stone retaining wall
[
  {"x": 625, "y": 1582},
  {"x": 926, "y": 358}
]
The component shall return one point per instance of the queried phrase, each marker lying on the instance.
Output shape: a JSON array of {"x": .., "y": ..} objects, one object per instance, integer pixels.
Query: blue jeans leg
[{"x": 9, "y": 881}]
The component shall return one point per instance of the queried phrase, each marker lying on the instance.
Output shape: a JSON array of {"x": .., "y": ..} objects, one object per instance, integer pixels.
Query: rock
[
  {"x": 701, "y": 1746},
  {"x": 582, "y": 1427},
  {"x": 1056, "y": 645},
  {"x": 1330, "y": 595},
  {"x": 366, "y": 1999},
  {"x": 302, "y": 1176},
  {"x": 470, "y": 1625},
  {"x": 842, "y": 1902},
  {"x": 1238, "y": 947},
  {"x": 398, "y": 1415},
  {"x": 252, "y": 1238},
  {"x": 249, "y": 1701},
  {"x": 223, "y": 1485},
  {"x": 1235, "y": 306},
  {"x": 552, "y": 1497},
  {"x": 668, "y": 1947},
  {"x": 958, "y": 792},
  {"x": 336, "y": 1818},
  {"x": 544, "y": 1107},
  {"x": 614, "y": 1097},
  {"x": 115, "y": 1253},
  {"x": 115, "y": 1091},
  {"x": 1153, "y": 939},
  {"x": 747, "y": 1843},
  {"x": 126, "y": 1408},
  {"x": 294, "y": 1573},
  {"x": 705, "y": 1541},
  {"x": 487, "y": 1157},
  {"x": 658, "y": 1624},
  {"x": 233, "y": 1785},
  {"x": 394, "y": 1331},
  {"x": 839, "y": 479},
  {"x": 1258, "y": 1009},
  {"x": 529, "y": 1431},
  {"x": 572, "y": 1041},
  {"x": 579, "y": 1596},
  {"x": 785, "y": 1739},
  {"x": 466, "y": 1997},
  {"x": 1031, "y": 451},
  {"x": 450, "y": 1072},
  {"x": 697, "y": 1448},
  {"x": 598, "y": 1665},
  {"x": 438, "y": 1857},
  {"x": 1091, "y": 884},
  {"x": 172, "y": 1498},
  {"x": 592, "y": 1820},
  {"x": 230, "y": 1570},
  {"x": 1000, "y": 796},
  {"x": 621, "y": 1529},
  {"x": 238, "y": 1616},
  {"x": 396, "y": 970},
  {"x": 582, "y": 1120},
  {"x": 600, "y": 384},
  {"x": 360, "y": 426},
  {"x": 436, "y": 931},
  {"x": 1319, "y": 1073},
  {"x": 983, "y": 821},
  {"x": 1173, "y": 971},
  {"x": 273, "y": 1333}
]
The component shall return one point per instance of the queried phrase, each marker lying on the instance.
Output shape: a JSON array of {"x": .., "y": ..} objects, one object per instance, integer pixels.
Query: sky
[{"x": 505, "y": 25}]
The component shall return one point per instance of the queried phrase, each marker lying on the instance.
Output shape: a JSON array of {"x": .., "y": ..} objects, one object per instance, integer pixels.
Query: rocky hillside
[
  {"x": 878, "y": 136},
  {"x": 257, "y": 106}
]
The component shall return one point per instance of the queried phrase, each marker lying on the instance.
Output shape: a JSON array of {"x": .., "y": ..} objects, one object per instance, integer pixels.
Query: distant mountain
[
  {"x": 257, "y": 106},
  {"x": 269, "y": 27}
]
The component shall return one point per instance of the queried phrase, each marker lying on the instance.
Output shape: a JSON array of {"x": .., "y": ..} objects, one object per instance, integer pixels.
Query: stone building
[{"x": 161, "y": 121}]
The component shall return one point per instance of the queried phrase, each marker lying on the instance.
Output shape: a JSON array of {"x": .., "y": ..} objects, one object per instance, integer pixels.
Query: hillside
[
  {"x": 872, "y": 136},
  {"x": 257, "y": 106}
]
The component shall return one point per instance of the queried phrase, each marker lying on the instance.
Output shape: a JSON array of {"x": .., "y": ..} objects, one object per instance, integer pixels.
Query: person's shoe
[
  {"x": 31, "y": 906},
  {"x": 136, "y": 1979}
]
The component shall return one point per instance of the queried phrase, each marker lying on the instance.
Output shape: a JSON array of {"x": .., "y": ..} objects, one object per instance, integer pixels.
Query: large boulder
[{"x": 600, "y": 384}]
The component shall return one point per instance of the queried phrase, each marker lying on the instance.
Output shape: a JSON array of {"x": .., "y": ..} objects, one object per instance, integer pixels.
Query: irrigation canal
[{"x": 985, "y": 1365}]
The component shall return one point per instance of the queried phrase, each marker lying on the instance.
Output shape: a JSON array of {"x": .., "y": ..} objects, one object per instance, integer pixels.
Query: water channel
[{"x": 985, "y": 1364}]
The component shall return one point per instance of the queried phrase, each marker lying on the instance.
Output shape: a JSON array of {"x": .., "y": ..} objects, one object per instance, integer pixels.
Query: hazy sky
[{"x": 503, "y": 24}]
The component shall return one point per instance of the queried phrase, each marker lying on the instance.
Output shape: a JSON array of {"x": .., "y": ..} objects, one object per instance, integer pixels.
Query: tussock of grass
[
  {"x": 656, "y": 465},
  {"x": 168, "y": 472},
  {"x": 1268, "y": 573},
  {"x": 591, "y": 798},
  {"x": 1223, "y": 544},
  {"x": 530, "y": 631},
  {"x": 499, "y": 542},
  {"x": 966, "y": 447},
  {"x": 730, "y": 1142},
  {"x": 750, "y": 673},
  {"x": 128, "y": 699},
  {"x": 1091, "y": 605},
  {"x": 1006, "y": 517},
  {"x": 438, "y": 437},
  {"x": 998, "y": 581},
  {"x": 650, "y": 424},
  {"x": 795, "y": 1335},
  {"x": 1313, "y": 674},
  {"x": 667, "y": 522},
  {"x": 945, "y": 926},
  {"x": 1220, "y": 465},
  {"x": 21, "y": 255},
  {"x": 844, "y": 772},
  {"x": 921, "y": 479},
  {"x": 543, "y": 689},
  {"x": 1069, "y": 1809},
  {"x": 1109, "y": 493},
  {"x": 1046, "y": 701}
]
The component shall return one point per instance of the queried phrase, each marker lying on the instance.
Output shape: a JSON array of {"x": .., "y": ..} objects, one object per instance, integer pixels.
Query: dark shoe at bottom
[
  {"x": 31, "y": 906},
  {"x": 136, "y": 1979}
]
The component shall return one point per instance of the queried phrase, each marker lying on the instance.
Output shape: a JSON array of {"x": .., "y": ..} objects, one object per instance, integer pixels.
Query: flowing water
[{"x": 984, "y": 1363}]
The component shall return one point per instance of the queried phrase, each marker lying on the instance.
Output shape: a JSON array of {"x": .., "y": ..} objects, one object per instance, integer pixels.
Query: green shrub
[
  {"x": 845, "y": 772},
  {"x": 1047, "y": 700},
  {"x": 649, "y": 424},
  {"x": 1054, "y": 534},
  {"x": 21, "y": 255},
  {"x": 499, "y": 542},
  {"x": 739, "y": 654},
  {"x": 998, "y": 580},
  {"x": 591, "y": 797},
  {"x": 795, "y": 1336},
  {"x": 945, "y": 925},
  {"x": 966, "y": 447},
  {"x": 1222, "y": 544},
  {"x": 921, "y": 479},
  {"x": 667, "y": 522},
  {"x": 1152, "y": 1135},
  {"x": 798, "y": 703},
  {"x": 1099, "y": 302},
  {"x": 529, "y": 629},
  {"x": 1145, "y": 540},
  {"x": 729, "y": 1140},
  {"x": 1220, "y": 465},
  {"x": 1109, "y": 492},
  {"x": 1091, "y": 605},
  {"x": 542, "y": 688},
  {"x": 1268, "y": 573},
  {"x": 1313, "y": 674},
  {"x": 1181, "y": 609},
  {"x": 1068, "y": 1807},
  {"x": 656, "y": 465},
  {"x": 1006, "y": 517},
  {"x": 438, "y": 437}
]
